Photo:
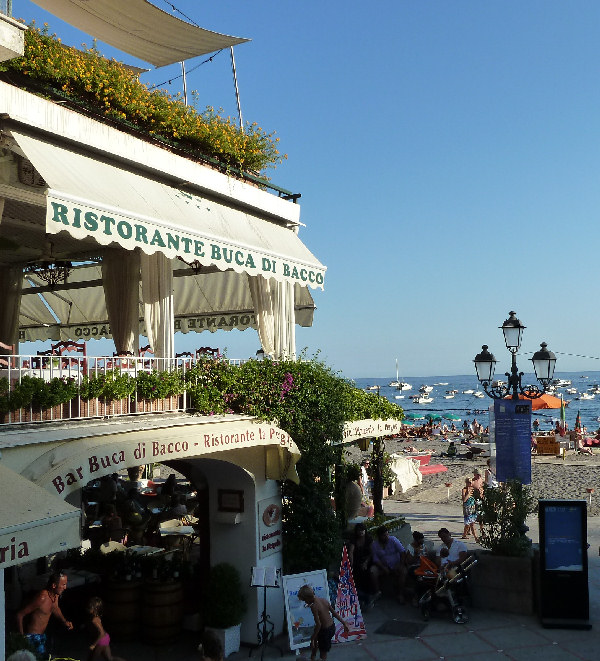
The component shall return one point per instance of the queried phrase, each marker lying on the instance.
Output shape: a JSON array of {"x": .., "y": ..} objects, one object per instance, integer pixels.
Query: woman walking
[{"x": 469, "y": 510}]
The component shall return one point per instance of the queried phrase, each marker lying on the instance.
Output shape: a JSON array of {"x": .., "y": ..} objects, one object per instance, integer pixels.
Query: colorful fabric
[
  {"x": 470, "y": 511},
  {"x": 38, "y": 641}
]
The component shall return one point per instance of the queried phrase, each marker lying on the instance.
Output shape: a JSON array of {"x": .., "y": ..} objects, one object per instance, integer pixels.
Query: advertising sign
[
  {"x": 301, "y": 622},
  {"x": 270, "y": 530},
  {"x": 513, "y": 439}
]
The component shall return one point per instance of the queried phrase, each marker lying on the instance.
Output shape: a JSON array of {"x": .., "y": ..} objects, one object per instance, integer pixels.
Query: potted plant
[
  {"x": 225, "y": 605},
  {"x": 503, "y": 576}
]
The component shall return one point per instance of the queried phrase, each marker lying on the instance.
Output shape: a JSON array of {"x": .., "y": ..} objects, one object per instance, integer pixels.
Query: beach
[{"x": 552, "y": 477}]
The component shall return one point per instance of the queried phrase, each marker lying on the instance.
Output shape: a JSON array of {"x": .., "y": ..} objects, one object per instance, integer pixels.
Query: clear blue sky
[{"x": 447, "y": 156}]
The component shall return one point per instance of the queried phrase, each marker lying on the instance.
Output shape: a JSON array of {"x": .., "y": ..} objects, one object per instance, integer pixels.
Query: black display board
[{"x": 564, "y": 594}]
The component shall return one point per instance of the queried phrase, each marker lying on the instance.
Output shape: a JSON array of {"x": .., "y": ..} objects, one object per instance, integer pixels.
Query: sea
[{"x": 467, "y": 406}]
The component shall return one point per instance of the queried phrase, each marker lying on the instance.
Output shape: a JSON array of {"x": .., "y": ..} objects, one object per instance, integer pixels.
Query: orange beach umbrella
[{"x": 544, "y": 402}]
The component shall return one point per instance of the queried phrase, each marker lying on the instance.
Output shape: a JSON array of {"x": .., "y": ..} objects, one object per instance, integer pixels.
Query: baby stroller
[{"x": 439, "y": 585}]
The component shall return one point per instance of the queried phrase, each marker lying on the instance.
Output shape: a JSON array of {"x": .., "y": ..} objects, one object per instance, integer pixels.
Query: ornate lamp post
[{"x": 544, "y": 362}]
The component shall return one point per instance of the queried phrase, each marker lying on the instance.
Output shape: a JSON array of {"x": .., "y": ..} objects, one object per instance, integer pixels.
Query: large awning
[
  {"x": 33, "y": 523},
  {"x": 139, "y": 28},
  {"x": 205, "y": 302},
  {"x": 98, "y": 203},
  {"x": 90, "y": 451}
]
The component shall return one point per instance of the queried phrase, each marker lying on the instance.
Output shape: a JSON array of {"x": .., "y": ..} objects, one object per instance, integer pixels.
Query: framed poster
[
  {"x": 299, "y": 616},
  {"x": 230, "y": 500}
]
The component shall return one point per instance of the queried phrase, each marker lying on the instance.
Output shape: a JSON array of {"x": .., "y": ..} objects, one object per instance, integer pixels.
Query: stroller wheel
[{"x": 460, "y": 615}]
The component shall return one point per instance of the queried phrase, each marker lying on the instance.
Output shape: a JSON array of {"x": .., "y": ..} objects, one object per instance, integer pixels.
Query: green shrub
[{"x": 224, "y": 604}]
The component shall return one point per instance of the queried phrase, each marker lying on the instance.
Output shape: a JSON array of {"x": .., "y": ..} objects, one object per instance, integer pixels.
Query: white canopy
[
  {"x": 140, "y": 29},
  {"x": 209, "y": 301},
  {"x": 98, "y": 203},
  {"x": 33, "y": 523}
]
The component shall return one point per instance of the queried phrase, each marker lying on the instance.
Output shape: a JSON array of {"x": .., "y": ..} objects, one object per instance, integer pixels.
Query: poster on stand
[
  {"x": 301, "y": 622},
  {"x": 347, "y": 605},
  {"x": 513, "y": 440}
]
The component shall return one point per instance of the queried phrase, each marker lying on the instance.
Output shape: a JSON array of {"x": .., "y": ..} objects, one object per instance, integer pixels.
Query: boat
[
  {"x": 468, "y": 392},
  {"x": 423, "y": 399},
  {"x": 399, "y": 385},
  {"x": 449, "y": 396},
  {"x": 425, "y": 388},
  {"x": 585, "y": 395},
  {"x": 479, "y": 394},
  {"x": 451, "y": 392},
  {"x": 441, "y": 383},
  {"x": 372, "y": 387},
  {"x": 498, "y": 383},
  {"x": 398, "y": 396},
  {"x": 404, "y": 386},
  {"x": 572, "y": 391}
]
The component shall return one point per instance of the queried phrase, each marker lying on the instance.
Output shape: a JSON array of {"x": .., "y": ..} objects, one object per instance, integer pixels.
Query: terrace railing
[{"x": 38, "y": 381}]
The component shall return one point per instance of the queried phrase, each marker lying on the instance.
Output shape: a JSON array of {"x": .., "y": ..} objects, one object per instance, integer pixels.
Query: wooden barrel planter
[
  {"x": 122, "y": 608},
  {"x": 162, "y": 611}
]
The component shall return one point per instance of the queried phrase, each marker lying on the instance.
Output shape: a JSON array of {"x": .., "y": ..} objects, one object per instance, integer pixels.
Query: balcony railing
[{"x": 48, "y": 375}]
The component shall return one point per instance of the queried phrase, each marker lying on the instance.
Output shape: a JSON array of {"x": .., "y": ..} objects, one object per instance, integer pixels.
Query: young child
[
  {"x": 100, "y": 647},
  {"x": 324, "y": 626}
]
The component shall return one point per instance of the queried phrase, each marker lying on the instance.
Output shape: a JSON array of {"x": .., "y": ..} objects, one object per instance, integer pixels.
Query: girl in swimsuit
[{"x": 100, "y": 647}]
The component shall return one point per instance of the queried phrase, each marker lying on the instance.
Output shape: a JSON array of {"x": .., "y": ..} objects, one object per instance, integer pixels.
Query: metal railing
[
  {"x": 6, "y": 7},
  {"x": 20, "y": 378}
]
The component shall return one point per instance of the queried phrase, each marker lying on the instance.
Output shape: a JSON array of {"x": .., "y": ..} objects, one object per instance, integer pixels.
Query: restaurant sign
[
  {"x": 74, "y": 463},
  {"x": 85, "y": 220},
  {"x": 95, "y": 331},
  {"x": 370, "y": 429}
]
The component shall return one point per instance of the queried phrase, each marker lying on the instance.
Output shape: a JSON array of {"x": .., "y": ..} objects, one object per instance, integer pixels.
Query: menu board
[
  {"x": 512, "y": 419},
  {"x": 563, "y": 538}
]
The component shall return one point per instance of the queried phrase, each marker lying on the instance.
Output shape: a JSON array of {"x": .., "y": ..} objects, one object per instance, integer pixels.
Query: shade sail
[
  {"x": 98, "y": 203},
  {"x": 205, "y": 302},
  {"x": 139, "y": 28},
  {"x": 33, "y": 523}
]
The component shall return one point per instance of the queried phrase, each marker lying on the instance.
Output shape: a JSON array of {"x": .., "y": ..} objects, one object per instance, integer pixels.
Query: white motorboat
[
  {"x": 423, "y": 399},
  {"x": 372, "y": 387},
  {"x": 498, "y": 383},
  {"x": 452, "y": 392},
  {"x": 468, "y": 392},
  {"x": 425, "y": 388},
  {"x": 404, "y": 386},
  {"x": 571, "y": 391},
  {"x": 585, "y": 395},
  {"x": 479, "y": 394},
  {"x": 398, "y": 396},
  {"x": 399, "y": 385},
  {"x": 441, "y": 383},
  {"x": 449, "y": 396}
]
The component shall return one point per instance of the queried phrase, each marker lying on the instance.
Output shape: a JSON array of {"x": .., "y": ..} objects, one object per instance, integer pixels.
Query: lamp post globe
[
  {"x": 544, "y": 362},
  {"x": 513, "y": 332},
  {"x": 485, "y": 365}
]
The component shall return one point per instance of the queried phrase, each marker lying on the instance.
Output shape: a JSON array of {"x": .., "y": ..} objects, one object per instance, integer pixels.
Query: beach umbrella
[
  {"x": 408, "y": 423},
  {"x": 544, "y": 402},
  {"x": 433, "y": 416},
  {"x": 409, "y": 415},
  {"x": 453, "y": 417},
  {"x": 578, "y": 421}
]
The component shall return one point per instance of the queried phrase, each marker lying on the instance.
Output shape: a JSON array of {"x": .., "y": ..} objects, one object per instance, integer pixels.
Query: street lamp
[{"x": 544, "y": 362}]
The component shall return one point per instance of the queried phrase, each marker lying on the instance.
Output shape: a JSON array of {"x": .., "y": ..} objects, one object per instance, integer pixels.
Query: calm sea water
[{"x": 469, "y": 406}]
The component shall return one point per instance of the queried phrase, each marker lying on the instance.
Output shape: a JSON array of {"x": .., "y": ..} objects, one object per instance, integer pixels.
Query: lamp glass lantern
[
  {"x": 485, "y": 365},
  {"x": 544, "y": 362},
  {"x": 513, "y": 331}
]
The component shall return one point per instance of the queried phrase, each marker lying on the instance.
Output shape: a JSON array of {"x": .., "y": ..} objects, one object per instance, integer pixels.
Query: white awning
[
  {"x": 91, "y": 451},
  {"x": 33, "y": 522},
  {"x": 140, "y": 29},
  {"x": 205, "y": 302},
  {"x": 99, "y": 203}
]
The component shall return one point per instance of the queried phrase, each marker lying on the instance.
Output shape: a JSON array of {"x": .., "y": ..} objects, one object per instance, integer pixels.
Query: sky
[{"x": 447, "y": 157}]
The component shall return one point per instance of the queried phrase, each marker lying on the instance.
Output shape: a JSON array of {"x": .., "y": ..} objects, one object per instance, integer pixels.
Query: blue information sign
[{"x": 513, "y": 439}]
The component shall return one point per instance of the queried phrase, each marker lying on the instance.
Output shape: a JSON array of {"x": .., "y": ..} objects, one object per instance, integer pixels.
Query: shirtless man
[
  {"x": 324, "y": 627},
  {"x": 39, "y": 610}
]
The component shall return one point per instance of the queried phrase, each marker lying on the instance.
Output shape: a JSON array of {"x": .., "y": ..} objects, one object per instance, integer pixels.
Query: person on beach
[
  {"x": 536, "y": 425},
  {"x": 451, "y": 451},
  {"x": 324, "y": 626},
  {"x": 38, "y": 612},
  {"x": 389, "y": 560},
  {"x": 490, "y": 476},
  {"x": 457, "y": 550},
  {"x": 100, "y": 645},
  {"x": 469, "y": 510}
]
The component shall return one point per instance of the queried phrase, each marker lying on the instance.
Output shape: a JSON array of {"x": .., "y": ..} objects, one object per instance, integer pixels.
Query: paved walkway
[{"x": 488, "y": 634}]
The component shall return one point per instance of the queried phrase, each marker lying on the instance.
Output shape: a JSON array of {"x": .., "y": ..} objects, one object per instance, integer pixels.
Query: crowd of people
[{"x": 384, "y": 560}]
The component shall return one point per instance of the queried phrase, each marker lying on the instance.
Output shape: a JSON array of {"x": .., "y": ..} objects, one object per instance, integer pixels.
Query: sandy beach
[{"x": 552, "y": 477}]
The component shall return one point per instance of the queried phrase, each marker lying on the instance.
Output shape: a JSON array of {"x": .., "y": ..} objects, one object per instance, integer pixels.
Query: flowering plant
[{"x": 109, "y": 88}]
